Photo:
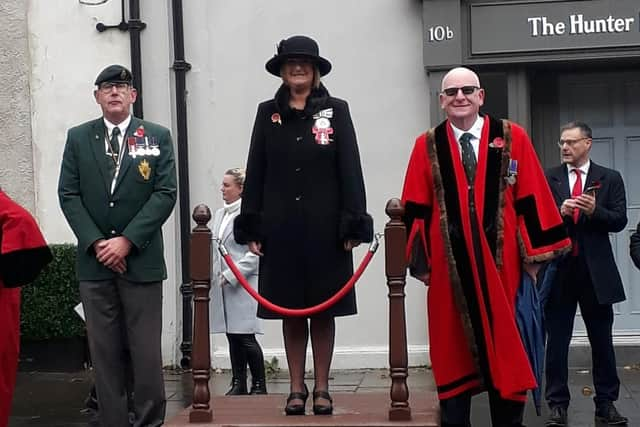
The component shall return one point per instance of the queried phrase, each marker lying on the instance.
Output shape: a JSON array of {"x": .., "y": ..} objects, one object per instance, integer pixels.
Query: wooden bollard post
[
  {"x": 200, "y": 265},
  {"x": 395, "y": 240}
]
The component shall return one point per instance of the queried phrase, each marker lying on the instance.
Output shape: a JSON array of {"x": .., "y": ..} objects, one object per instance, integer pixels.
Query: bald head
[
  {"x": 461, "y": 97},
  {"x": 460, "y": 73}
]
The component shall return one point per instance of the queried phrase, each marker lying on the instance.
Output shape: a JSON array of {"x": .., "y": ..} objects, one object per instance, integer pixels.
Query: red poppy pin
[
  {"x": 595, "y": 185},
  {"x": 497, "y": 143},
  {"x": 275, "y": 118},
  {"x": 139, "y": 132}
]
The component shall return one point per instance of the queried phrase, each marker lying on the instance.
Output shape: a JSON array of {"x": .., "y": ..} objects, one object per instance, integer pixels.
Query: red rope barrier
[{"x": 299, "y": 312}]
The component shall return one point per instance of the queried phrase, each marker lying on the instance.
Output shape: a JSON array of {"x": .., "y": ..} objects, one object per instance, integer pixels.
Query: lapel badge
[
  {"x": 144, "y": 169},
  {"x": 322, "y": 129},
  {"x": 139, "y": 132},
  {"x": 275, "y": 118},
  {"x": 512, "y": 172},
  {"x": 326, "y": 113}
]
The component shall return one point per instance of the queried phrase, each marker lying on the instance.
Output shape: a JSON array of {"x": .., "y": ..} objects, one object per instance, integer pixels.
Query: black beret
[{"x": 114, "y": 73}]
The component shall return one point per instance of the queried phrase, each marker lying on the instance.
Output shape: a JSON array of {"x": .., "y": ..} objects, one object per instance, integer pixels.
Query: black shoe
[
  {"x": 258, "y": 387},
  {"x": 607, "y": 414},
  {"x": 322, "y": 409},
  {"x": 558, "y": 417},
  {"x": 238, "y": 387},
  {"x": 297, "y": 409}
]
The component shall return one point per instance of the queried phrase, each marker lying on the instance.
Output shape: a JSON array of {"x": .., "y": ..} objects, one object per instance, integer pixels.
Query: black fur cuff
[
  {"x": 248, "y": 228},
  {"x": 356, "y": 227}
]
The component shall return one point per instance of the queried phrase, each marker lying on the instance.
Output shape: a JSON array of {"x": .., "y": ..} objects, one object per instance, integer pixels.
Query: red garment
[
  {"x": 474, "y": 252},
  {"x": 23, "y": 254},
  {"x": 9, "y": 347}
]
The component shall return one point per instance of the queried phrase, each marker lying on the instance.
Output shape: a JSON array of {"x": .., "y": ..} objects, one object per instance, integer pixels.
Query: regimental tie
[
  {"x": 575, "y": 192},
  {"x": 114, "y": 143},
  {"x": 468, "y": 157}
]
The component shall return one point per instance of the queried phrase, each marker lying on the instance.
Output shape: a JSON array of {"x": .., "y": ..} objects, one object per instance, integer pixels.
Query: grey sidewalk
[{"x": 56, "y": 399}]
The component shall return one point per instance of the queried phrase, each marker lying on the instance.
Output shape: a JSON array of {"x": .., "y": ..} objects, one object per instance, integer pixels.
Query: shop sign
[{"x": 528, "y": 26}]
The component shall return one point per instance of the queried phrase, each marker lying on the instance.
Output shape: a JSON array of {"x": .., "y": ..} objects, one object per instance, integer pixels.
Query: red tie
[{"x": 575, "y": 192}]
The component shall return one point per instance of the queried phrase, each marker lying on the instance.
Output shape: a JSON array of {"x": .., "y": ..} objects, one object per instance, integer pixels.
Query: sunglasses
[{"x": 466, "y": 90}]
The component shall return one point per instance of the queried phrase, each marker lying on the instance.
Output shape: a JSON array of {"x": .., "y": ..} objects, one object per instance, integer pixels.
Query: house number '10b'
[{"x": 440, "y": 33}]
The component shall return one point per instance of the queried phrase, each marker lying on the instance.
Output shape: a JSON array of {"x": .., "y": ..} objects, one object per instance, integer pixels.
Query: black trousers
[
  {"x": 456, "y": 411},
  {"x": 575, "y": 287},
  {"x": 243, "y": 349}
]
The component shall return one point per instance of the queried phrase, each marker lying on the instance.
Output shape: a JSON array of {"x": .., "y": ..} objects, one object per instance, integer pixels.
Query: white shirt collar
[
  {"x": 123, "y": 125},
  {"x": 475, "y": 130},
  {"x": 584, "y": 168}
]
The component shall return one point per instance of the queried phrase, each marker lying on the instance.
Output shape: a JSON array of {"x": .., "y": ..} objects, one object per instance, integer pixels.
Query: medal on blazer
[
  {"x": 322, "y": 129},
  {"x": 144, "y": 169},
  {"x": 512, "y": 172},
  {"x": 327, "y": 113}
]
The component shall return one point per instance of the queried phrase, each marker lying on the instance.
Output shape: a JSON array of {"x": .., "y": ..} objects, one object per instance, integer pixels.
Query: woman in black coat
[{"x": 304, "y": 209}]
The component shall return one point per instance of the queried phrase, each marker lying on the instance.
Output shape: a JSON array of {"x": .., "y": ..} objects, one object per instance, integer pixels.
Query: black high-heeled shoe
[
  {"x": 322, "y": 409},
  {"x": 297, "y": 409}
]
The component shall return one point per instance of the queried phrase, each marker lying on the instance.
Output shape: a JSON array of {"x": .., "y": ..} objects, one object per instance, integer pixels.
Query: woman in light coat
[{"x": 233, "y": 310}]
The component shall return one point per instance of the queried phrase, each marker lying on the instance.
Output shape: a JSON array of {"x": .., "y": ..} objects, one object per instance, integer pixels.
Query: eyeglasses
[
  {"x": 570, "y": 142},
  {"x": 107, "y": 87},
  {"x": 466, "y": 90}
]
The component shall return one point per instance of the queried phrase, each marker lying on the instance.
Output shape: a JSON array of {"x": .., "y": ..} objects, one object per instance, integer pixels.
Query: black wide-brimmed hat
[{"x": 297, "y": 47}]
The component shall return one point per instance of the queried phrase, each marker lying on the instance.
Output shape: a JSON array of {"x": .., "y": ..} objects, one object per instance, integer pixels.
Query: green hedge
[{"x": 47, "y": 304}]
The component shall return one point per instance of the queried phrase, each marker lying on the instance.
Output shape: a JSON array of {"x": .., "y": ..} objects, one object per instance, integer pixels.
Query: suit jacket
[
  {"x": 634, "y": 247},
  {"x": 142, "y": 200},
  {"x": 232, "y": 309},
  {"x": 592, "y": 233}
]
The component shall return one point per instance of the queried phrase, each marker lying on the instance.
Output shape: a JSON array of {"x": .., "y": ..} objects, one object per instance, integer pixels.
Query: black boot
[
  {"x": 258, "y": 386},
  {"x": 256, "y": 364},
  {"x": 238, "y": 387},
  {"x": 238, "y": 357}
]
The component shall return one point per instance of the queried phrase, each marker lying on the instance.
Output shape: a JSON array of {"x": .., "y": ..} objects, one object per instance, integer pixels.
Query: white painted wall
[{"x": 376, "y": 50}]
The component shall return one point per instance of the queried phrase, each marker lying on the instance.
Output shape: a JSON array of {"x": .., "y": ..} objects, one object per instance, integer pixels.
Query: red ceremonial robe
[
  {"x": 23, "y": 254},
  {"x": 474, "y": 252}
]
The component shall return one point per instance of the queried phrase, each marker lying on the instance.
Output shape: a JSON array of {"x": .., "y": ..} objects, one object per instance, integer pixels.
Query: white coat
[{"x": 231, "y": 309}]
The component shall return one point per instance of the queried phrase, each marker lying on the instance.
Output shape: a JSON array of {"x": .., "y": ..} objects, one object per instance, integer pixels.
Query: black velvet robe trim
[
  {"x": 413, "y": 211},
  {"x": 418, "y": 266},
  {"x": 21, "y": 267},
  {"x": 539, "y": 237},
  {"x": 460, "y": 274},
  {"x": 457, "y": 383}
]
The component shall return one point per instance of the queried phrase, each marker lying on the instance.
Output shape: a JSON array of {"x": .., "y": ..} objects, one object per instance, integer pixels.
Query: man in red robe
[
  {"x": 23, "y": 254},
  {"x": 478, "y": 213}
]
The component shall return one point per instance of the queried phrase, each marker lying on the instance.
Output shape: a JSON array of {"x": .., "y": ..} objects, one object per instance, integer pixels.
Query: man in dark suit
[
  {"x": 117, "y": 187},
  {"x": 592, "y": 202}
]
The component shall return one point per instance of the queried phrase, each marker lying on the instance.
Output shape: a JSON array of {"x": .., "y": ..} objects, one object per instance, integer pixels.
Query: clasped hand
[
  {"x": 112, "y": 253},
  {"x": 585, "y": 202}
]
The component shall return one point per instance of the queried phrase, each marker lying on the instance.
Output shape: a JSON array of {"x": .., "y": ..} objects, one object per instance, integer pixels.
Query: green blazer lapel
[
  {"x": 96, "y": 138},
  {"x": 126, "y": 158}
]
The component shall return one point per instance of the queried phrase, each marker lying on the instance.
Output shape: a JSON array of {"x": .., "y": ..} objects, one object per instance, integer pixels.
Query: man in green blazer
[{"x": 117, "y": 187}]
